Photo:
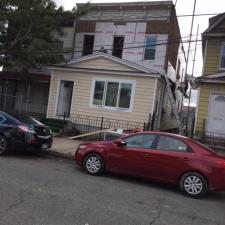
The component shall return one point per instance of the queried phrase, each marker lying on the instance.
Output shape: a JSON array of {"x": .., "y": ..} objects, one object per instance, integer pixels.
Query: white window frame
[
  {"x": 118, "y": 109},
  {"x": 221, "y": 54},
  {"x": 151, "y": 36}
]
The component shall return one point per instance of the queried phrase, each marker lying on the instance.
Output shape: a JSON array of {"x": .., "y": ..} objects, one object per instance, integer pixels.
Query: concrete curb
[{"x": 60, "y": 154}]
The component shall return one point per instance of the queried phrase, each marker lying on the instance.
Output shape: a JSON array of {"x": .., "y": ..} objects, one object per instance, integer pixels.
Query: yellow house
[
  {"x": 101, "y": 85},
  {"x": 210, "y": 113}
]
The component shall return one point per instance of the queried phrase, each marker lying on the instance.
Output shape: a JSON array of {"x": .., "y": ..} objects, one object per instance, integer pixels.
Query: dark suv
[{"x": 19, "y": 131}]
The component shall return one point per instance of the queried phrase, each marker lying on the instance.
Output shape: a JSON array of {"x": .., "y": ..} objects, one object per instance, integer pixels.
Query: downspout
[{"x": 74, "y": 37}]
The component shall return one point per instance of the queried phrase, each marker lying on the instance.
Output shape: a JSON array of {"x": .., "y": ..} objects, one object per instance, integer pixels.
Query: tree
[{"x": 30, "y": 31}]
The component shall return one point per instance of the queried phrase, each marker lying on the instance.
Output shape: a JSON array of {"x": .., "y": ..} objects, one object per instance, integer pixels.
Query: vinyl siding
[
  {"x": 212, "y": 58},
  {"x": 202, "y": 113},
  {"x": 142, "y": 105},
  {"x": 103, "y": 63}
]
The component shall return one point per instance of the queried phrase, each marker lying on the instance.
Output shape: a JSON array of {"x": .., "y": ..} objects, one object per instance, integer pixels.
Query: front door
[
  {"x": 65, "y": 97},
  {"x": 216, "y": 116},
  {"x": 132, "y": 159}
]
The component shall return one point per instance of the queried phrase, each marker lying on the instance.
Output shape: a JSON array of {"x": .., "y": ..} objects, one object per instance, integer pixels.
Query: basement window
[
  {"x": 222, "y": 58},
  {"x": 112, "y": 94},
  {"x": 150, "y": 48},
  {"x": 118, "y": 46},
  {"x": 88, "y": 44}
]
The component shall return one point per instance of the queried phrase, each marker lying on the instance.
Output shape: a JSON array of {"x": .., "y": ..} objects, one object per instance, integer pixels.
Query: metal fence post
[
  {"x": 203, "y": 129},
  {"x": 192, "y": 127},
  {"x": 153, "y": 121},
  {"x": 102, "y": 120},
  {"x": 149, "y": 122}
]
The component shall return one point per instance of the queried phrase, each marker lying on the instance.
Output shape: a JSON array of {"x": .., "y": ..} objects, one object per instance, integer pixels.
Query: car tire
[
  {"x": 193, "y": 184},
  {"x": 93, "y": 164},
  {"x": 3, "y": 145}
]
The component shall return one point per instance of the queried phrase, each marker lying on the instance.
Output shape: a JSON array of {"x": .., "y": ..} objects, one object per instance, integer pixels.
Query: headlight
[{"x": 82, "y": 146}]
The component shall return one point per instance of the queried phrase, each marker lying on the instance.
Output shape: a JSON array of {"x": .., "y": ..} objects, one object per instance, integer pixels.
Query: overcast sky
[{"x": 183, "y": 7}]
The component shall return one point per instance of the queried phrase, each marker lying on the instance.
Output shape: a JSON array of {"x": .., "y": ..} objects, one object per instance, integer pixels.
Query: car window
[
  {"x": 25, "y": 119},
  {"x": 140, "y": 141},
  {"x": 2, "y": 119},
  {"x": 171, "y": 144}
]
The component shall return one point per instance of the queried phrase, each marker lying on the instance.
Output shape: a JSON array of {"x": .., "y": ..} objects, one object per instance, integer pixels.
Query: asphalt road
[{"x": 43, "y": 190}]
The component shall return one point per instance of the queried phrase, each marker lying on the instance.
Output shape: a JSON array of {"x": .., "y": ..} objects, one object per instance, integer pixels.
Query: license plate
[{"x": 44, "y": 146}]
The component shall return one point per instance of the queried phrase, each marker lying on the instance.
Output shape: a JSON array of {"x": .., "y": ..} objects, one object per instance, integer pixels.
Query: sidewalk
[{"x": 64, "y": 147}]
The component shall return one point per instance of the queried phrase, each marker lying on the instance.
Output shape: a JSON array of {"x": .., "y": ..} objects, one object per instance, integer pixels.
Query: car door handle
[
  {"x": 146, "y": 155},
  {"x": 186, "y": 159}
]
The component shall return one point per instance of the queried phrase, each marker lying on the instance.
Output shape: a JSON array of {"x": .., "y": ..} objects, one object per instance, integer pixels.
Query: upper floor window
[
  {"x": 118, "y": 46},
  {"x": 222, "y": 59},
  {"x": 88, "y": 44},
  {"x": 150, "y": 48},
  {"x": 113, "y": 94}
]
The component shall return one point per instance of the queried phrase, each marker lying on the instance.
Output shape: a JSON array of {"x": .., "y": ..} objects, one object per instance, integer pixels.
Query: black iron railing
[{"x": 85, "y": 124}]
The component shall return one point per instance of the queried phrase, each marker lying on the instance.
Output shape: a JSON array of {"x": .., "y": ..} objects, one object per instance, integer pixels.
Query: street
[{"x": 45, "y": 190}]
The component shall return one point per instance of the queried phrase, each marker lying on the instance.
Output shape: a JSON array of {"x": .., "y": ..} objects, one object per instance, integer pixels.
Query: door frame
[{"x": 58, "y": 94}]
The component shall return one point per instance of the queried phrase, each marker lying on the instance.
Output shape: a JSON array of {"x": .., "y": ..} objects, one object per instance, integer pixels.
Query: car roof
[{"x": 165, "y": 133}]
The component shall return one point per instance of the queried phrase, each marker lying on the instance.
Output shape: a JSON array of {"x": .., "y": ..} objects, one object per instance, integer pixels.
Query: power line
[{"x": 107, "y": 49}]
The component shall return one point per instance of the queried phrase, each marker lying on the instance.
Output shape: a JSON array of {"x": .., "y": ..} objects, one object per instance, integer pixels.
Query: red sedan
[{"x": 164, "y": 157}]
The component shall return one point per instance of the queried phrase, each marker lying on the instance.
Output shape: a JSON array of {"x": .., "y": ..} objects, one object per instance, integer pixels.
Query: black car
[{"x": 18, "y": 131}]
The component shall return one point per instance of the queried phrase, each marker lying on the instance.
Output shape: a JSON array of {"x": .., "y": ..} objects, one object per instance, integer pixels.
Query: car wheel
[
  {"x": 3, "y": 145},
  {"x": 193, "y": 185},
  {"x": 93, "y": 164}
]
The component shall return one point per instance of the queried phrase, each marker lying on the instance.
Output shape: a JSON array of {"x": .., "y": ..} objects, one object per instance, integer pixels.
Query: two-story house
[
  {"x": 29, "y": 92},
  {"x": 121, "y": 51},
  {"x": 210, "y": 115}
]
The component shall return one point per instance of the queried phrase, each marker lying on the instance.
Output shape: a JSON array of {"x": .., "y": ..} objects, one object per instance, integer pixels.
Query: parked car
[
  {"x": 159, "y": 156},
  {"x": 21, "y": 131}
]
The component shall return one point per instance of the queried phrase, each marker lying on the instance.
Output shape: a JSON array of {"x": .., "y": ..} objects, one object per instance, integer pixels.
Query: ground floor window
[{"x": 113, "y": 94}]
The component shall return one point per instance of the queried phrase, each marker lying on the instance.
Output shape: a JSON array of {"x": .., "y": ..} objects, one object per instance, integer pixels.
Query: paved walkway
[{"x": 64, "y": 147}]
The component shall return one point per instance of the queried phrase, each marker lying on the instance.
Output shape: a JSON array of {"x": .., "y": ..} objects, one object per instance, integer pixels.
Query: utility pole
[
  {"x": 188, "y": 54},
  {"x": 192, "y": 74}
]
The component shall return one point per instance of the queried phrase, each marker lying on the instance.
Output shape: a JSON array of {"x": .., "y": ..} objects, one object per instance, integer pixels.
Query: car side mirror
[{"x": 120, "y": 142}]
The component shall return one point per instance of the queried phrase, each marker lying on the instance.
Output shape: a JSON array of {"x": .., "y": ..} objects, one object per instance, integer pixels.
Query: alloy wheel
[
  {"x": 93, "y": 164},
  {"x": 2, "y": 145},
  {"x": 193, "y": 185}
]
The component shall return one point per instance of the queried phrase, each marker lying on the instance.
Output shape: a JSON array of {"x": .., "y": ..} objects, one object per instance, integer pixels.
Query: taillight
[{"x": 26, "y": 129}]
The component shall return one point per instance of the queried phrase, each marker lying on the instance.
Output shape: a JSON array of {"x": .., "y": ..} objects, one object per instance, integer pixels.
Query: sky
[{"x": 183, "y": 7}]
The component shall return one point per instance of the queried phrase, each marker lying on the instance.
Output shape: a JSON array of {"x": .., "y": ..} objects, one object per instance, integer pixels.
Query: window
[
  {"x": 140, "y": 141},
  {"x": 118, "y": 46},
  {"x": 150, "y": 48},
  {"x": 88, "y": 44},
  {"x": 2, "y": 119},
  {"x": 113, "y": 94},
  {"x": 171, "y": 144},
  {"x": 222, "y": 61}
]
